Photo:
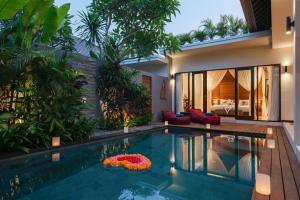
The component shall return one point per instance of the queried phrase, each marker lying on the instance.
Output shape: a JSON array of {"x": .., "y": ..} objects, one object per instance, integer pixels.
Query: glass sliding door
[
  {"x": 245, "y": 93},
  {"x": 198, "y": 91},
  {"x": 267, "y": 97},
  {"x": 182, "y": 92},
  {"x": 250, "y": 93}
]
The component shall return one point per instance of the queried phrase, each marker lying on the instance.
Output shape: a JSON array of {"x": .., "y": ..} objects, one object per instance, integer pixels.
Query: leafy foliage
[
  {"x": 199, "y": 35},
  {"x": 140, "y": 120},
  {"x": 121, "y": 30},
  {"x": 228, "y": 25},
  {"x": 185, "y": 38},
  {"x": 40, "y": 95},
  {"x": 209, "y": 28}
]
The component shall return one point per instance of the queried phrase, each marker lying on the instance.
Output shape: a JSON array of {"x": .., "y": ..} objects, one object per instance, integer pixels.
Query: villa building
[{"x": 251, "y": 78}]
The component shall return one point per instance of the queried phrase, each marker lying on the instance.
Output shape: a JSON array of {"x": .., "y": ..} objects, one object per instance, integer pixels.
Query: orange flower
[{"x": 129, "y": 161}]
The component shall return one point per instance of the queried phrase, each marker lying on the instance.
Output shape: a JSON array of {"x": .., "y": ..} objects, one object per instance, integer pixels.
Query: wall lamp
[
  {"x": 172, "y": 76},
  {"x": 289, "y": 25},
  {"x": 285, "y": 69}
]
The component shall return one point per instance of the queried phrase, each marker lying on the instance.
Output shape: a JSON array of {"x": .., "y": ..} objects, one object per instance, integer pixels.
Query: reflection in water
[
  {"x": 190, "y": 166},
  {"x": 226, "y": 156}
]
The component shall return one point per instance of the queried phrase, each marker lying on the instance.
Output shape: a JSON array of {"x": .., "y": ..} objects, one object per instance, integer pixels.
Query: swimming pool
[{"x": 185, "y": 165}]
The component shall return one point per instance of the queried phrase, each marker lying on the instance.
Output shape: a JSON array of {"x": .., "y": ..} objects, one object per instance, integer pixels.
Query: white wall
[
  {"x": 296, "y": 54},
  {"x": 158, "y": 104},
  {"x": 159, "y": 69},
  {"x": 244, "y": 57}
]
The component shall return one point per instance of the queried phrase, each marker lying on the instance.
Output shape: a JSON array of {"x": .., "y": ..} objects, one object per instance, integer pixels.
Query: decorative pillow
[
  {"x": 244, "y": 102},
  {"x": 167, "y": 115},
  {"x": 215, "y": 101},
  {"x": 223, "y": 101},
  {"x": 230, "y": 102}
]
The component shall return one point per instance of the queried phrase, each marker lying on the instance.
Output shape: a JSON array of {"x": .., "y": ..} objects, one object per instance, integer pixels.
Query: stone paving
[{"x": 104, "y": 134}]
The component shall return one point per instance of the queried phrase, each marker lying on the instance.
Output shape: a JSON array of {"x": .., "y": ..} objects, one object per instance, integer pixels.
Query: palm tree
[
  {"x": 185, "y": 38},
  {"x": 222, "y": 26},
  {"x": 199, "y": 35},
  {"x": 209, "y": 28},
  {"x": 91, "y": 28},
  {"x": 244, "y": 27},
  {"x": 235, "y": 25}
]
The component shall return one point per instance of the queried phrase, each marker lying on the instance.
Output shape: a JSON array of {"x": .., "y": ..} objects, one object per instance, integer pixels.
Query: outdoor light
[
  {"x": 17, "y": 180},
  {"x": 207, "y": 126},
  {"x": 126, "y": 141},
  {"x": 19, "y": 121},
  {"x": 55, "y": 141},
  {"x": 172, "y": 160},
  {"x": 270, "y": 131},
  {"x": 271, "y": 144},
  {"x": 166, "y": 131},
  {"x": 126, "y": 129},
  {"x": 166, "y": 123},
  {"x": 289, "y": 25},
  {"x": 285, "y": 69},
  {"x": 208, "y": 135},
  {"x": 172, "y": 170},
  {"x": 83, "y": 99},
  {"x": 263, "y": 184},
  {"x": 55, "y": 157}
]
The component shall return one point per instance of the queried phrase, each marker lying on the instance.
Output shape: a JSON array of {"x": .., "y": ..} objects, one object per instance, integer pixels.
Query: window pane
[
  {"x": 221, "y": 92},
  {"x": 198, "y": 91},
  {"x": 268, "y": 93},
  {"x": 244, "y": 93},
  {"x": 181, "y": 92}
]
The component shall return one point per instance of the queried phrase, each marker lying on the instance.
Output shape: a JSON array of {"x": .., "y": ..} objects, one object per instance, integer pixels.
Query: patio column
[{"x": 297, "y": 76}]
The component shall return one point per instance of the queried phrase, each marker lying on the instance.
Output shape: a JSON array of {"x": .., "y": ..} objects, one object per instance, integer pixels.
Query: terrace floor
[{"x": 280, "y": 163}]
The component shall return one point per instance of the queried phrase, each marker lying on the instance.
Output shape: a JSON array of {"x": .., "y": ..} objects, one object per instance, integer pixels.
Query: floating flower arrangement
[{"x": 128, "y": 161}]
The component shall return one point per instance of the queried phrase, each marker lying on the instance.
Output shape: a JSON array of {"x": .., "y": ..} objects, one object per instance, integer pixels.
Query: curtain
[
  {"x": 245, "y": 79},
  {"x": 179, "y": 97},
  {"x": 213, "y": 80},
  {"x": 264, "y": 100},
  {"x": 273, "y": 101},
  {"x": 246, "y": 75}
]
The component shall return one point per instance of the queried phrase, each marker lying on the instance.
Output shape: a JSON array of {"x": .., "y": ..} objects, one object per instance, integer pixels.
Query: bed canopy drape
[
  {"x": 273, "y": 96},
  {"x": 214, "y": 78}
]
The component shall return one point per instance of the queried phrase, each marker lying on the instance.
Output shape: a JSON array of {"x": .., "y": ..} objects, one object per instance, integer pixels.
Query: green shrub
[
  {"x": 140, "y": 120},
  {"x": 40, "y": 94}
]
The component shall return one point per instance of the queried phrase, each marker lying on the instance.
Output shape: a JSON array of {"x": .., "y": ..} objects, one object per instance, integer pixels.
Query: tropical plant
[
  {"x": 40, "y": 94},
  {"x": 185, "y": 38},
  {"x": 228, "y": 25},
  {"x": 121, "y": 30},
  {"x": 209, "y": 28},
  {"x": 140, "y": 120},
  {"x": 64, "y": 39},
  {"x": 222, "y": 26},
  {"x": 199, "y": 35},
  {"x": 234, "y": 25}
]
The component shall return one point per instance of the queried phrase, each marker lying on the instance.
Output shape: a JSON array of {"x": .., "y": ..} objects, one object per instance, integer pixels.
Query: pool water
[{"x": 185, "y": 165}]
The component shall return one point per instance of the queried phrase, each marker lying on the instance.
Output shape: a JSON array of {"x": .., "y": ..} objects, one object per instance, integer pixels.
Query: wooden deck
[{"x": 280, "y": 163}]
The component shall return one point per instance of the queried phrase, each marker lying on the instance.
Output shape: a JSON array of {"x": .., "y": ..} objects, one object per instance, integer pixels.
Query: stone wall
[
  {"x": 158, "y": 104},
  {"x": 87, "y": 66}
]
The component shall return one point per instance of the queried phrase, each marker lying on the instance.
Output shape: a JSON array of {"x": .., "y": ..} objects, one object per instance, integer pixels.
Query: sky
[{"x": 192, "y": 12}]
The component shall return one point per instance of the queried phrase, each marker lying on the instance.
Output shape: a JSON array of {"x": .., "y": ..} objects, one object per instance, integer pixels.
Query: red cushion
[
  {"x": 166, "y": 115},
  {"x": 198, "y": 116},
  {"x": 215, "y": 119},
  {"x": 172, "y": 119}
]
